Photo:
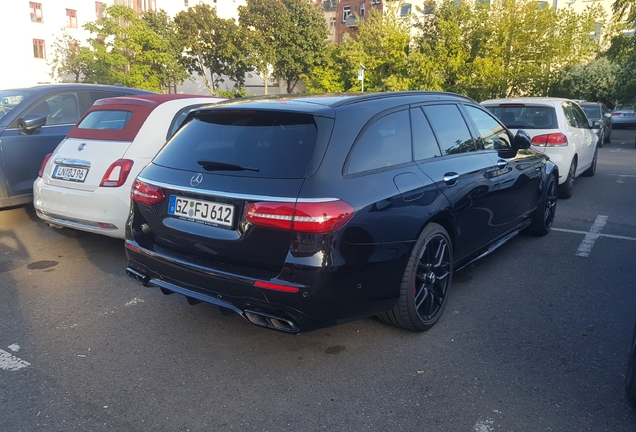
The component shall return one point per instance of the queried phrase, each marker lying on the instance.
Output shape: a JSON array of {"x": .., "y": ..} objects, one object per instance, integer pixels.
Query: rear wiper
[{"x": 220, "y": 166}]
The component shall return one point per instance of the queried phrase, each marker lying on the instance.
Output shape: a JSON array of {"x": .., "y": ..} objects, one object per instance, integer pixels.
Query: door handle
[{"x": 451, "y": 178}]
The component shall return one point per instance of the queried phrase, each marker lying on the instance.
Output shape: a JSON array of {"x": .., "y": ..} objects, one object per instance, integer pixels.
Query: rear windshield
[
  {"x": 107, "y": 119},
  {"x": 267, "y": 144},
  {"x": 526, "y": 117},
  {"x": 593, "y": 112}
]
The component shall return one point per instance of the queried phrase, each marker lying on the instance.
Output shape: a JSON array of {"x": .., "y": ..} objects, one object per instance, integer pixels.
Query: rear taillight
[
  {"x": 617, "y": 114},
  {"x": 144, "y": 193},
  {"x": 46, "y": 159},
  {"x": 117, "y": 173},
  {"x": 310, "y": 217},
  {"x": 550, "y": 140}
]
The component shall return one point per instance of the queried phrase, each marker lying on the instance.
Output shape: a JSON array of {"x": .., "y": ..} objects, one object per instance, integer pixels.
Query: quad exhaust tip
[{"x": 270, "y": 321}]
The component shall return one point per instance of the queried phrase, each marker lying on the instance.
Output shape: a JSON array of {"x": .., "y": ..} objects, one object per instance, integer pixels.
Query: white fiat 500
[
  {"x": 85, "y": 183},
  {"x": 559, "y": 128}
]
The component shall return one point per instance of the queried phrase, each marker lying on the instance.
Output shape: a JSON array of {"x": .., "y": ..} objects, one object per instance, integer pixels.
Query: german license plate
[
  {"x": 70, "y": 173},
  {"x": 207, "y": 212}
]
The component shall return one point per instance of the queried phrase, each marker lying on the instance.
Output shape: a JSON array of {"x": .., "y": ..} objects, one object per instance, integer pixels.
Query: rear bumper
[
  {"x": 102, "y": 211},
  {"x": 325, "y": 297}
]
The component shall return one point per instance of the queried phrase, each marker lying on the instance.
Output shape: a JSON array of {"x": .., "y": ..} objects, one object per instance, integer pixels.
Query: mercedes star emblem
[{"x": 196, "y": 179}]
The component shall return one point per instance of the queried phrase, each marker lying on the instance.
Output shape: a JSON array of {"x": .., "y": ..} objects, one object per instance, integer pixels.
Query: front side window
[
  {"x": 580, "y": 117},
  {"x": 71, "y": 16},
  {"x": 450, "y": 129},
  {"x": 35, "y": 9},
  {"x": 38, "y": 49},
  {"x": 491, "y": 134},
  {"x": 570, "y": 116},
  {"x": 386, "y": 142}
]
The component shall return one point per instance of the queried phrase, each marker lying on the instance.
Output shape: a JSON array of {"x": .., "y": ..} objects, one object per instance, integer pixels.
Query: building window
[
  {"x": 542, "y": 4},
  {"x": 429, "y": 8},
  {"x": 38, "y": 49},
  {"x": 346, "y": 11},
  {"x": 185, "y": 3},
  {"x": 99, "y": 10},
  {"x": 35, "y": 9},
  {"x": 71, "y": 16},
  {"x": 405, "y": 9},
  {"x": 332, "y": 23},
  {"x": 362, "y": 10},
  {"x": 375, "y": 1}
]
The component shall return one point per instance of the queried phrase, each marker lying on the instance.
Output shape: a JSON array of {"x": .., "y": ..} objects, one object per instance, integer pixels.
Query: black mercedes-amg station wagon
[{"x": 304, "y": 212}]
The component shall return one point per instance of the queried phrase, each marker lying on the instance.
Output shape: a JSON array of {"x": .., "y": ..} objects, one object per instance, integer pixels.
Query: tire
[
  {"x": 566, "y": 189},
  {"x": 543, "y": 217},
  {"x": 592, "y": 169},
  {"x": 630, "y": 373},
  {"x": 426, "y": 281},
  {"x": 608, "y": 139}
]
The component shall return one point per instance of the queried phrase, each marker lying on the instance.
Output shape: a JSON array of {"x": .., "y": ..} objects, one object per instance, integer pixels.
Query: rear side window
[
  {"x": 107, "y": 120},
  {"x": 450, "y": 128},
  {"x": 267, "y": 144},
  {"x": 386, "y": 142},
  {"x": 525, "y": 117}
]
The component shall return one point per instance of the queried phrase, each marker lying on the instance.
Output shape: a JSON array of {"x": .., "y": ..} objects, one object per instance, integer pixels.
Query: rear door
[{"x": 581, "y": 134}]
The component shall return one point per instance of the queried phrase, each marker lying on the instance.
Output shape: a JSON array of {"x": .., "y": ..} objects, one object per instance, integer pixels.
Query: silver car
[{"x": 624, "y": 116}]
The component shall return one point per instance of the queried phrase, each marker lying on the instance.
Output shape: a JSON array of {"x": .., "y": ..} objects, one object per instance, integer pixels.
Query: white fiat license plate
[
  {"x": 70, "y": 173},
  {"x": 207, "y": 212}
]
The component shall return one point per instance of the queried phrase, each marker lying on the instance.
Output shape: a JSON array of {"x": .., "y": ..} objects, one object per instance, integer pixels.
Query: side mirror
[
  {"x": 522, "y": 140},
  {"x": 608, "y": 115},
  {"x": 597, "y": 124},
  {"x": 31, "y": 122}
]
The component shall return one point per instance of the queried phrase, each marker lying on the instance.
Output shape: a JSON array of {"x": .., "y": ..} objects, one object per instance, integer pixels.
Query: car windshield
[
  {"x": 10, "y": 99},
  {"x": 258, "y": 144},
  {"x": 593, "y": 112},
  {"x": 520, "y": 116}
]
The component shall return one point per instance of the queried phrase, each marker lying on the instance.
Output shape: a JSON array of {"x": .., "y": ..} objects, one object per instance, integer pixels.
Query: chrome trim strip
[
  {"x": 245, "y": 197},
  {"x": 70, "y": 222},
  {"x": 72, "y": 162}
]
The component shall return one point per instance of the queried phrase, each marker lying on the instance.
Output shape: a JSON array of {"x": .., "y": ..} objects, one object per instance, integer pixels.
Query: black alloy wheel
[
  {"x": 425, "y": 284},
  {"x": 592, "y": 169},
  {"x": 543, "y": 217},
  {"x": 566, "y": 189}
]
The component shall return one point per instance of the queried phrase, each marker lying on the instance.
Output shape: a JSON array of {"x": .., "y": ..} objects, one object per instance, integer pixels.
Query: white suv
[{"x": 559, "y": 128}]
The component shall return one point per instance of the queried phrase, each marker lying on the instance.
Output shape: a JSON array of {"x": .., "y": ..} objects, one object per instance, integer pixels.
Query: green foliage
[
  {"x": 286, "y": 35},
  {"x": 127, "y": 50},
  {"x": 210, "y": 43},
  {"x": 69, "y": 61}
]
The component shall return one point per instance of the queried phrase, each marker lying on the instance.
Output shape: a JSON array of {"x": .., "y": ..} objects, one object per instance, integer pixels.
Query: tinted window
[
  {"x": 450, "y": 128},
  {"x": 277, "y": 144},
  {"x": 107, "y": 119},
  {"x": 384, "y": 143},
  {"x": 580, "y": 117},
  {"x": 491, "y": 134},
  {"x": 178, "y": 119},
  {"x": 593, "y": 112},
  {"x": 571, "y": 116},
  {"x": 61, "y": 108},
  {"x": 424, "y": 143},
  {"x": 525, "y": 117}
]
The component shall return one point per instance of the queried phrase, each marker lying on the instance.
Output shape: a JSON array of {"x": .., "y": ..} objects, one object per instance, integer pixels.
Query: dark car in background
[
  {"x": 33, "y": 121},
  {"x": 304, "y": 212},
  {"x": 597, "y": 111}
]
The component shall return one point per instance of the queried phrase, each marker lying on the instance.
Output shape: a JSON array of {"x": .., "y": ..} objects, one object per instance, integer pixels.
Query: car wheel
[
  {"x": 592, "y": 169},
  {"x": 630, "y": 374},
  {"x": 566, "y": 189},
  {"x": 425, "y": 284},
  {"x": 546, "y": 210}
]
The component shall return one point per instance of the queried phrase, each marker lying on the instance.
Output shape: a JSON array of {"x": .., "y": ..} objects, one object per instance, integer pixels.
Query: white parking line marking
[
  {"x": 590, "y": 238},
  {"x": 14, "y": 347},
  {"x": 11, "y": 363},
  {"x": 600, "y": 235},
  {"x": 622, "y": 175}
]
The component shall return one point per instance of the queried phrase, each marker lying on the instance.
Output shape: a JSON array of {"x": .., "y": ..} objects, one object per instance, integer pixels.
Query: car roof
[
  {"x": 77, "y": 86},
  {"x": 324, "y": 104},
  {"x": 526, "y": 100},
  {"x": 140, "y": 106}
]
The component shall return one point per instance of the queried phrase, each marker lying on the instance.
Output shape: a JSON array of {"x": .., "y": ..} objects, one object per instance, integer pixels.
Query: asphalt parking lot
[{"x": 534, "y": 338}]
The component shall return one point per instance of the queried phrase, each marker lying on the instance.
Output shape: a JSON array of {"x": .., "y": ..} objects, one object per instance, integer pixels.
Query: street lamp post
[{"x": 361, "y": 75}]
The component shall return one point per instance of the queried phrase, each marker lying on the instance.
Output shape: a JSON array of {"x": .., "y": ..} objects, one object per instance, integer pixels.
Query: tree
[
  {"x": 69, "y": 61},
  {"x": 213, "y": 44},
  {"x": 289, "y": 35},
  {"x": 127, "y": 50},
  {"x": 599, "y": 80}
]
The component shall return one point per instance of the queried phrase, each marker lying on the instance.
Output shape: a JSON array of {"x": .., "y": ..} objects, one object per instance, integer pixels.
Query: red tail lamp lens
[
  {"x": 276, "y": 287},
  {"x": 315, "y": 217},
  {"x": 144, "y": 193},
  {"x": 44, "y": 162},
  {"x": 117, "y": 173},
  {"x": 550, "y": 140}
]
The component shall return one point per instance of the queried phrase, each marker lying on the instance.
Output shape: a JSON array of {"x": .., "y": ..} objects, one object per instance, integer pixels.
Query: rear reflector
[
  {"x": 550, "y": 140},
  {"x": 132, "y": 247},
  {"x": 106, "y": 225},
  {"x": 144, "y": 193},
  {"x": 46, "y": 159},
  {"x": 315, "y": 217},
  {"x": 276, "y": 287},
  {"x": 117, "y": 173}
]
